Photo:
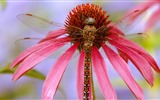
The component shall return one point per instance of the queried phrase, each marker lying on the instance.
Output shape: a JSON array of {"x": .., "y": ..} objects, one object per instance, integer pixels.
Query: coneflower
[{"x": 88, "y": 29}]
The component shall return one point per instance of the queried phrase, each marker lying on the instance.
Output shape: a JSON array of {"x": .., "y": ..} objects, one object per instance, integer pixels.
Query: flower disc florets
[{"x": 77, "y": 20}]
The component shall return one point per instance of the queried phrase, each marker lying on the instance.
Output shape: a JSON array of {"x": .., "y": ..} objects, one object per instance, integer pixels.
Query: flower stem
[{"x": 92, "y": 82}]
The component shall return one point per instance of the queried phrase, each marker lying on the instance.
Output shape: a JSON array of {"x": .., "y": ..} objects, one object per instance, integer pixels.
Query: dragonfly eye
[{"x": 90, "y": 21}]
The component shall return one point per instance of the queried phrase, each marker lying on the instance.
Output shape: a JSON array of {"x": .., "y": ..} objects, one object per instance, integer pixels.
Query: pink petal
[
  {"x": 122, "y": 68},
  {"x": 80, "y": 75},
  {"x": 136, "y": 48},
  {"x": 27, "y": 52},
  {"x": 35, "y": 58},
  {"x": 141, "y": 9},
  {"x": 115, "y": 30},
  {"x": 53, "y": 78},
  {"x": 141, "y": 64},
  {"x": 54, "y": 34},
  {"x": 123, "y": 56},
  {"x": 100, "y": 70},
  {"x": 33, "y": 49},
  {"x": 153, "y": 19}
]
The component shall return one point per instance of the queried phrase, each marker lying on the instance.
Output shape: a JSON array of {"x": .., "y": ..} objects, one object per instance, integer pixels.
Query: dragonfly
[{"x": 88, "y": 33}]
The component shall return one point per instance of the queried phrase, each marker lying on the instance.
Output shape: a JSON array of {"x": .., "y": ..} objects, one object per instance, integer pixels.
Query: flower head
[
  {"x": 88, "y": 29},
  {"x": 87, "y": 14}
]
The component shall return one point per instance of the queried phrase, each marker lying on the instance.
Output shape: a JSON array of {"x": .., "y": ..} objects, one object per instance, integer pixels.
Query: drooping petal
[
  {"x": 100, "y": 70},
  {"x": 136, "y": 48},
  {"x": 80, "y": 76},
  {"x": 140, "y": 9},
  {"x": 54, "y": 34},
  {"x": 122, "y": 68},
  {"x": 115, "y": 30},
  {"x": 152, "y": 20},
  {"x": 123, "y": 56},
  {"x": 25, "y": 53},
  {"x": 141, "y": 64},
  {"x": 53, "y": 78},
  {"x": 33, "y": 49},
  {"x": 35, "y": 58}
]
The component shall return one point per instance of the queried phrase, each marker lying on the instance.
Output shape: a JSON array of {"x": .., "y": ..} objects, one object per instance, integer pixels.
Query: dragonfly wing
[
  {"x": 126, "y": 24},
  {"x": 39, "y": 24},
  {"x": 137, "y": 37},
  {"x": 28, "y": 42},
  {"x": 62, "y": 50}
]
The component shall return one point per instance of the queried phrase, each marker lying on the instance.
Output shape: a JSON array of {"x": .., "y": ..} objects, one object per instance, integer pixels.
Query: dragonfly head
[{"x": 90, "y": 21}]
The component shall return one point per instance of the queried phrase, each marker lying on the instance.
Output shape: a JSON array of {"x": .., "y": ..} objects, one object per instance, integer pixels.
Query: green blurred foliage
[
  {"x": 27, "y": 88},
  {"x": 157, "y": 82},
  {"x": 152, "y": 41},
  {"x": 116, "y": 16},
  {"x": 3, "y": 3},
  {"x": 32, "y": 73}
]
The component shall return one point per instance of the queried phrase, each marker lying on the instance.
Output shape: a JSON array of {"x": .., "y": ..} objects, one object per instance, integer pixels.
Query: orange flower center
[{"x": 87, "y": 23}]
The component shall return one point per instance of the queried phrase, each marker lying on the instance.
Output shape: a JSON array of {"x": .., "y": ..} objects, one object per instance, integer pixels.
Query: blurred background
[{"x": 12, "y": 29}]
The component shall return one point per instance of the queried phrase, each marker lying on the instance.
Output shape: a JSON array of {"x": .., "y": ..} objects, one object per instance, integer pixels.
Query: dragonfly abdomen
[
  {"x": 87, "y": 75},
  {"x": 88, "y": 42}
]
